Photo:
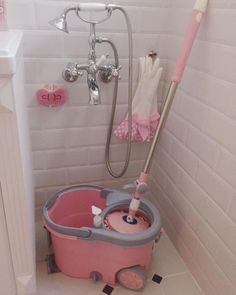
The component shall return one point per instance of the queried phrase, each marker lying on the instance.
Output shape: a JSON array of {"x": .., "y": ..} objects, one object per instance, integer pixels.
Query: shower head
[{"x": 60, "y": 23}]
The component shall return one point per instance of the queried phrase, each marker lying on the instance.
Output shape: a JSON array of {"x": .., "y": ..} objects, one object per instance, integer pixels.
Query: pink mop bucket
[{"x": 83, "y": 251}]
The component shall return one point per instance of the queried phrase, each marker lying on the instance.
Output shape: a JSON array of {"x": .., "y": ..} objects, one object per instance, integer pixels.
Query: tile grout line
[{"x": 176, "y": 274}]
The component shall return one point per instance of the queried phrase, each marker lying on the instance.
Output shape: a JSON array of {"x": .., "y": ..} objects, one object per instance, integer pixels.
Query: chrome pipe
[
  {"x": 94, "y": 92},
  {"x": 168, "y": 102}
]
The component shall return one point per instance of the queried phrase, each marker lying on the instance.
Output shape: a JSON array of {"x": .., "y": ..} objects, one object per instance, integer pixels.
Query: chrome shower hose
[{"x": 110, "y": 128}]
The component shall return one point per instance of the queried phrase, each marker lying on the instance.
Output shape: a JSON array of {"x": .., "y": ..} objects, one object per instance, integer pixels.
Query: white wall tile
[
  {"x": 45, "y": 178},
  {"x": 166, "y": 139},
  {"x": 214, "y": 92},
  {"x": 39, "y": 197},
  {"x": 142, "y": 43},
  {"x": 218, "y": 189},
  {"x": 226, "y": 167},
  {"x": 218, "y": 26},
  {"x": 43, "y": 44},
  {"x": 222, "y": 225},
  {"x": 39, "y": 161},
  {"x": 232, "y": 103},
  {"x": 220, "y": 4},
  {"x": 100, "y": 115},
  {"x": 205, "y": 148},
  {"x": 221, "y": 128},
  {"x": 47, "y": 70},
  {"x": 167, "y": 164},
  {"x": 181, "y": 203},
  {"x": 117, "y": 153},
  {"x": 159, "y": 175},
  {"x": 227, "y": 262},
  {"x": 192, "y": 191},
  {"x": 192, "y": 110},
  {"x": 217, "y": 60},
  {"x": 50, "y": 139},
  {"x": 44, "y": 71},
  {"x": 184, "y": 157},
  {"x": 57, "y": 118},
  {"x": 87, "y": 174},
  {"x": 75, "y": 44},
  {"x": 20, "y": 14},
  {"x": 177, "y": 126},
  {"x": 91, "y": 136},
  {"x": 30, "y": 94},
  {"x": 66, "y": 158},
  {"x": 214, "y": 274},
  {"x": 232, "y": 209}
]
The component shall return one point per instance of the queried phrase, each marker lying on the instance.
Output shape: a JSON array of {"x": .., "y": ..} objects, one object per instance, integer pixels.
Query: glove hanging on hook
[{"x": 144, "y": 115}]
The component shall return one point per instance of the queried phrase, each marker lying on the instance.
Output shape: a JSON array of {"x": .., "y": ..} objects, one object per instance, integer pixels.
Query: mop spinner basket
[{"x": 85, "y": 251}]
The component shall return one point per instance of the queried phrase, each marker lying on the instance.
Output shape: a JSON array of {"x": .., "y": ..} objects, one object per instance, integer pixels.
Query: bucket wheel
[
  {"x": 133, "y": 278},
  {"x": 95, "y": 276},
  {"x": 51, "y": 264}
]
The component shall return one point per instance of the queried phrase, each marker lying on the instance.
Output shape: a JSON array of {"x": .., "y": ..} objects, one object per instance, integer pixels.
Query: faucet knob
[
  {"x": 116, "y": 71},
  {"x": 107, "y": 72},
  {"x": 70, "y": 73}
]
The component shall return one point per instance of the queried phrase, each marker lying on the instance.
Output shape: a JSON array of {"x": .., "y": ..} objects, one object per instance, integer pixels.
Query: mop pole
[{"x": 141, "y": 183}]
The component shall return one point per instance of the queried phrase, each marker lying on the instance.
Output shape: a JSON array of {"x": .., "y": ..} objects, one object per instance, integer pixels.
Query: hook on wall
[{"x": 152, "y": 54}]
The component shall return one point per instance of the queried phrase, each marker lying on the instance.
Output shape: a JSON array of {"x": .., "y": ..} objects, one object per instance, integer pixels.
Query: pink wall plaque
[{"x": 51, "y": 95}]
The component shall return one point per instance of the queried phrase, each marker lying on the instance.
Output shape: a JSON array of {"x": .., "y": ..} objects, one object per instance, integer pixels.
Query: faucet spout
[{"x": 94, "y": 93}]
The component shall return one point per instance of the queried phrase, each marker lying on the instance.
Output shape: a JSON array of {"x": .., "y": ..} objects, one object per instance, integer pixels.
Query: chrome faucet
[
  {"x": 94, "y": 93},
  {"x": 105, "y": 70},
  {"x": 73, "y": 69}
]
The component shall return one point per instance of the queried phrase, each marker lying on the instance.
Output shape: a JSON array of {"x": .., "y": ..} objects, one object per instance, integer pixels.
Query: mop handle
[
  {"x": 198, "y": 11},
  {"x": 141, "y": 183}
]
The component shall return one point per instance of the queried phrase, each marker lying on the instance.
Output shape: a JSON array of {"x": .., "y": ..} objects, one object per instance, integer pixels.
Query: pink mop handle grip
[{"x": 198, "y": 11}]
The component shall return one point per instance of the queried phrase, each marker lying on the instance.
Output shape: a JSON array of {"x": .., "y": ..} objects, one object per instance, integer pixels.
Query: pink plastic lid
[{"x": 116, "y": 222}]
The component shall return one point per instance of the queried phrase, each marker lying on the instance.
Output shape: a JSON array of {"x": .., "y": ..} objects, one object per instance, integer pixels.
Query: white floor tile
[
  {"x": 166, "y": 259},
  {"x": 182, "y": 284},
  {"x": 150, "y": 288}
]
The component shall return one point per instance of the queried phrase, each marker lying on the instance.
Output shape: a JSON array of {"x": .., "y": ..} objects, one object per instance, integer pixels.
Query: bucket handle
[{"x": 80, "y": 233}]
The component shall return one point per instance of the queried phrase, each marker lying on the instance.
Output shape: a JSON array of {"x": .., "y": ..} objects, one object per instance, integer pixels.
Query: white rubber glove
[
  {"x": 145, "y": 98},
  {"x": 144, "y": 106}
]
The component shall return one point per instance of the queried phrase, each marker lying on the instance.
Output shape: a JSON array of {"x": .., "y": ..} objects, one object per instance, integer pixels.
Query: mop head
[{"x": 116, "y": 221}]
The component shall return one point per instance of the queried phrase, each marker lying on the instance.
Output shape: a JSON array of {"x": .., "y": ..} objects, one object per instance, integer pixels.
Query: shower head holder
[
  {"x": 95, "y": 7},
  {"x": 61, "y": 22}
]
